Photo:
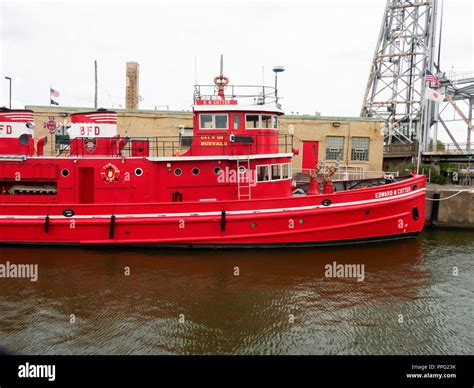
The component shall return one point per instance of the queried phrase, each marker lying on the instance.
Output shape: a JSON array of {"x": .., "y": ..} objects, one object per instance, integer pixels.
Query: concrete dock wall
[{"x": 455, "y": 212}]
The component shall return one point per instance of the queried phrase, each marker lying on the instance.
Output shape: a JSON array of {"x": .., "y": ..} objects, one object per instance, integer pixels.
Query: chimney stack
[{"x": 132, "y": 79}]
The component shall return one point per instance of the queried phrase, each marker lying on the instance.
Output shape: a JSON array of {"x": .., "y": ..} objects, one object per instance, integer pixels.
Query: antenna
[
  {"x": 222, "y": 65},
  {"x": 95, "y": 72},
  {"x": 195, "y": 71},
  {"x": 440, "y": 36},
  {"x": 276, "y": 70}
]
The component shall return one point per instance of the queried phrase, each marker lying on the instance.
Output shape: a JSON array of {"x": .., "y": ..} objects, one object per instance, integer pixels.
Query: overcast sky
[{"x": 326, "y": 47}]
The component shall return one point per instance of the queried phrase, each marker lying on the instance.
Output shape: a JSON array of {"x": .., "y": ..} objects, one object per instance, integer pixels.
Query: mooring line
[{"x": 451, "y": 196}]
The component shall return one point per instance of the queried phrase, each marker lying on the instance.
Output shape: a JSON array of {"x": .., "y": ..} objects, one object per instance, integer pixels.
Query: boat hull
[{"x": 390, "y": 211}]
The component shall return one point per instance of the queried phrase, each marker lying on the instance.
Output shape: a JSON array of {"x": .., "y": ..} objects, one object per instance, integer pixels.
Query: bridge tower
[{"x": 404, "y": 51}]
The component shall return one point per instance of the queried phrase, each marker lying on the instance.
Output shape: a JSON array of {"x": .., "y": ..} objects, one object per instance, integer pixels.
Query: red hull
[{"x": 387, "y": 211}]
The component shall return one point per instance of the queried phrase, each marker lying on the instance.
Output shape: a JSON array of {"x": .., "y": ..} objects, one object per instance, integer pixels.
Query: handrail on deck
[
  {"x": 257, "y": 94},
  {"x": 166, "y": 146}
]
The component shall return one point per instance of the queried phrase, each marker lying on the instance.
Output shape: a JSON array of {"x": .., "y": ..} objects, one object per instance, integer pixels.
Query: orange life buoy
[{"x": 110, "y": 173}]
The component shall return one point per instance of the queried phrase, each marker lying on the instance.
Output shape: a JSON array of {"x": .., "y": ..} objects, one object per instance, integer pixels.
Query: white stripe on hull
[{"x": 217, "y": 213}]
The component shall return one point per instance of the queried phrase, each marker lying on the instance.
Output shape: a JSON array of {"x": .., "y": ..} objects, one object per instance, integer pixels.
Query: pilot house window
[
  {"x": 221, "y": 121},
  {"x": 213, "y": 121},
  {"x": 236, "y": 122},
  {"x": 268, "y": 122},
  {"x": 206, "y": 122},
  {"x": 264, "y": 121},
  {"x": 252, "y": 121}
]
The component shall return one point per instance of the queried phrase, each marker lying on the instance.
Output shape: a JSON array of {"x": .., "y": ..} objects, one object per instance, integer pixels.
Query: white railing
[
  {"x": 346, "y": 173},
  {"x": 458, "y": 76}
]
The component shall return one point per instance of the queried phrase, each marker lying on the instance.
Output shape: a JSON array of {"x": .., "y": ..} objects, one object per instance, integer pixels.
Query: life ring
[{"x": 110, "y": 173}]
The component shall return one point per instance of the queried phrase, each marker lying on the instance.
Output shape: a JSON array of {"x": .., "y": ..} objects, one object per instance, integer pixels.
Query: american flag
[
  {"x": 54, "y": 93},
  {"x": 430, "y": 78}
]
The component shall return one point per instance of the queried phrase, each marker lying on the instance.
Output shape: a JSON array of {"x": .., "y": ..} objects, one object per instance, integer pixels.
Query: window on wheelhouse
[
  {"x": 276, "y": 171},
  {"x": 252, "y": 121},
  {"x": 269, "y": 122},
  {"x": 221, "y": 121},
  {"x": 236, "y": 122},
  {"x": 285, "y": 171},
  {"x": 62, "y": 138},
  {"x": 360, "y": 148},
  {"x": 263, "y": 173},
  {"x": 334, "y": 147},
  {"x": 205, "y": 121}
]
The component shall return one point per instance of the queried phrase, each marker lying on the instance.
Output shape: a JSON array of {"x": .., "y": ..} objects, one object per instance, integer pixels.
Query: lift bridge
[{"x": 406, "y": 48}]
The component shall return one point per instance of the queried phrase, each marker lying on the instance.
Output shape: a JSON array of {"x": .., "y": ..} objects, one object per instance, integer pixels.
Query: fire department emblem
[
  {"x": 51, "y": 125},
  {"x": 90, "y": 143}
]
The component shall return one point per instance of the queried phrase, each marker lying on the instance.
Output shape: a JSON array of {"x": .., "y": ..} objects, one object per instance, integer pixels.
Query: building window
[
  {"x": 220, "y": 121},
  {"x": 360, "y": 148},
  {"x": 334, "y": 147},
  {"x": 252, "y": 121},
  {"x": 206, "y": 122},
  {"x": 263, "y": 173}
]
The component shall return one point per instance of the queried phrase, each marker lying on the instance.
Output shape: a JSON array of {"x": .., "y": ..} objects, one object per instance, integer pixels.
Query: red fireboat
[{"x": 228, "y": 182}]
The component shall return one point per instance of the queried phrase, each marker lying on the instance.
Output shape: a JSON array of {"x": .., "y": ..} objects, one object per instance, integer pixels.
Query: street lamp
[
  {"x": 276, "y": 70},
  {"x": 10, "y": 97}
]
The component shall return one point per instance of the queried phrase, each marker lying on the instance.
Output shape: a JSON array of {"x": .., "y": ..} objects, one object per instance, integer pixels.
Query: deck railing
[
  {"x": 167, "y": 146},
  {"x": 344, "y": 174},
  {"x": 245, "y": 94}
]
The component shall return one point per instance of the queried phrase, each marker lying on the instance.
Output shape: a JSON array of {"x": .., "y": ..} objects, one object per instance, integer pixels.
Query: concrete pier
[{"x": 453, "y": 210}]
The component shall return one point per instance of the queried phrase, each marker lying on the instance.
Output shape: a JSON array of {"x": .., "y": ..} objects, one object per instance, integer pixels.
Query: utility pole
[
  {"x": 10, "y": 94},
  {"x": 95, "y": 70}
]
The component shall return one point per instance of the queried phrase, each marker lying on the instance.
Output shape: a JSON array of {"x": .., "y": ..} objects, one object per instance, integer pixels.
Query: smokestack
[{"x": 132, "y": 80}]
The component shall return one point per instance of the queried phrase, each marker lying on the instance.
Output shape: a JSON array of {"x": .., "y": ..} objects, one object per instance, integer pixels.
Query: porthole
[
  {"x": 242, "y": 169},
  {"x": 415, "y": 213},
  {"x": 195, "y": 171},
  {"x": 138, "y": 172},
  {"x": 367, "y": 212},
  {"x": 68, "y": 213},
  {"x": 178, "y": 171},
  {"x": 65, "y": 172},
  {"x": 301, "y": 221},
  {"x": 253, "y": 225},
  {"x": 217, "y": 170},
  {"x": 415, "y": 187},
  {"x": 326, "y": 202}
]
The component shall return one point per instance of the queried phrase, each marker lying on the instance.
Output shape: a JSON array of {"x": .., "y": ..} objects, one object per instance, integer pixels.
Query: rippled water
[{"x": 249, "y": 313}]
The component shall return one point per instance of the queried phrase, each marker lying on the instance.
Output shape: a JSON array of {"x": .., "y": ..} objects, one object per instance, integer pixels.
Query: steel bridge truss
[{"x": 404, "y": 51}]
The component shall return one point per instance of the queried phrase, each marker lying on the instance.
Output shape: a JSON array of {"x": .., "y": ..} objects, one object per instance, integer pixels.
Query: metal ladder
[{"x": 243, "y": 188}]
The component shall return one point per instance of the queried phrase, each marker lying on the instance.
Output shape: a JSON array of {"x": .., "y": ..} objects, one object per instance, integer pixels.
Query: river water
[{"x": 151, "y": 301}]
